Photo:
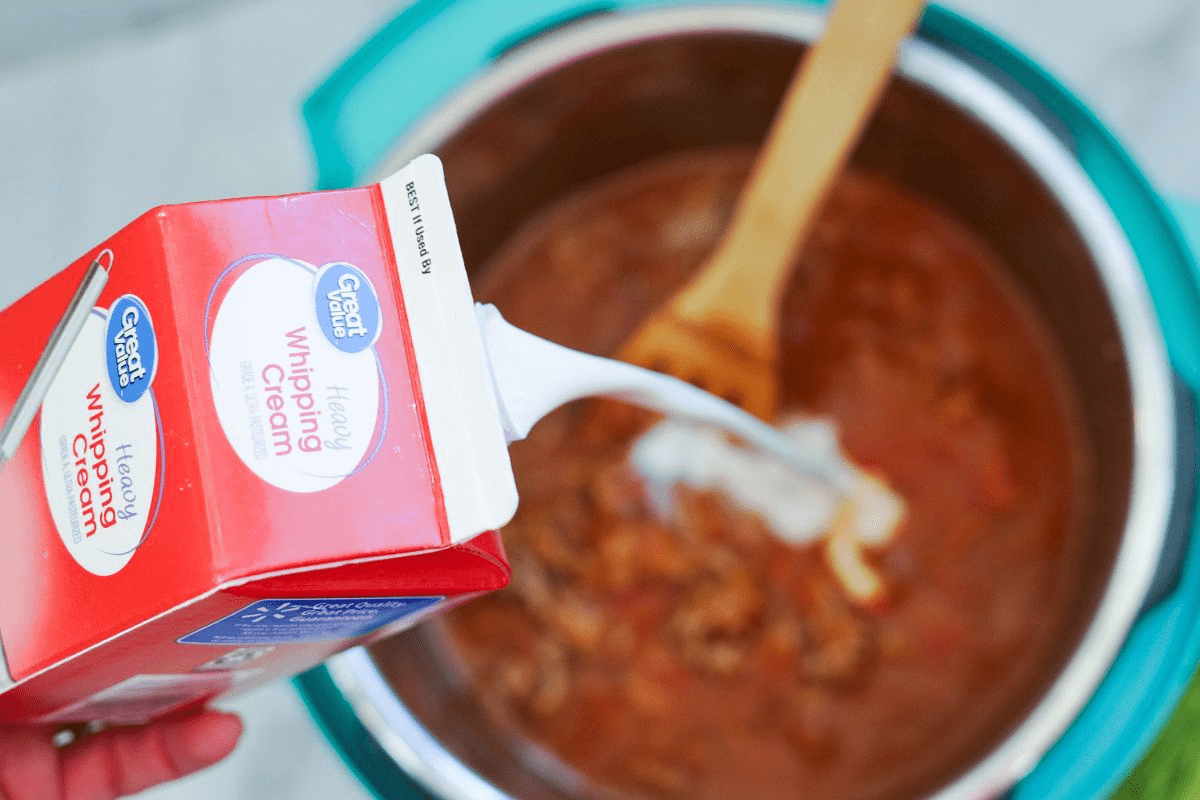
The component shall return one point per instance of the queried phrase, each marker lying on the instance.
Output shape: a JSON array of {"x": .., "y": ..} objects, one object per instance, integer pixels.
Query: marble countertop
[{"x": 111, "y": 109}]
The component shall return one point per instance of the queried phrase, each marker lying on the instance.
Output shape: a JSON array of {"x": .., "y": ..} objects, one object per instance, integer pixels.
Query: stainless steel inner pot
[{"x": 581, "y": 102}]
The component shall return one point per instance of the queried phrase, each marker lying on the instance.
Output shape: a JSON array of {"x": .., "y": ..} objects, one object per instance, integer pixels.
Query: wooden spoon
[{"x": 720, "y": 331}]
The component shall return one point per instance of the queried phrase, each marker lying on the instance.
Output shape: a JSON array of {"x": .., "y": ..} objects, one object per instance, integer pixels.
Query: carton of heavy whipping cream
[{"x": 243, "y": 435}]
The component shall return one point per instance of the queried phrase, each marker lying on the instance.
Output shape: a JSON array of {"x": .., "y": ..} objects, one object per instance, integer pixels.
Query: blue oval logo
[
  {"x": 131, "y": 348},
  {"x": 347, "y": 307}
]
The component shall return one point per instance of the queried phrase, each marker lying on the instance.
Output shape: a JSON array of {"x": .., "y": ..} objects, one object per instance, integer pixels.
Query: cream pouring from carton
[{"x": 269, "y": 429}]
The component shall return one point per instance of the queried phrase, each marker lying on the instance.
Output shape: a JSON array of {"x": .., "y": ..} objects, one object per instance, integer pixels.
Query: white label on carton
[
  {"x": 293, "y": 371},
  {"x": 100, "y": 439},
  {"x": 142, "y": 698}
]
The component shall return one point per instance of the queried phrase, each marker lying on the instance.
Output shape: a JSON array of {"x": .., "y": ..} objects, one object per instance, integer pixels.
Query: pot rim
[{"x": 1153, "y": 473}]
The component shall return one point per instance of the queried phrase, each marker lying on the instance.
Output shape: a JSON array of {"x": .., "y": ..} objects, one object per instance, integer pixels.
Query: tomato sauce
[{"x": 706, "y": 658}]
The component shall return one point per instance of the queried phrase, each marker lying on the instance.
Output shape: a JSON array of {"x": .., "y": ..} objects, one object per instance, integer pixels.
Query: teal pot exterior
[{"x": 435, "y": 46}]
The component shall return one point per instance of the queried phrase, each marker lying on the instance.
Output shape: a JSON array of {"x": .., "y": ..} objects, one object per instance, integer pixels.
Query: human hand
[{"x": 113, "y": 763}]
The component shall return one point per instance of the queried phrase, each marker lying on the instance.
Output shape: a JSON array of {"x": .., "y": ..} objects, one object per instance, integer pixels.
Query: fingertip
[
  {"x": 207, "y": 738},
  {"x": 28, "y": 764},
  {"x": 128, "y": 760}
]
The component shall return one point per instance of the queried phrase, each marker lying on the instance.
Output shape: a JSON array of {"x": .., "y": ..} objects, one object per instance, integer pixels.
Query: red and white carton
[
  {"x": 243, "y": 435},
  {"x": 274, "y": 436}
]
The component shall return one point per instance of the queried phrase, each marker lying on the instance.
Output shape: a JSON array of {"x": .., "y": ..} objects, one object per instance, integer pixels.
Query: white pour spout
[{"x": 533, "y": 377}]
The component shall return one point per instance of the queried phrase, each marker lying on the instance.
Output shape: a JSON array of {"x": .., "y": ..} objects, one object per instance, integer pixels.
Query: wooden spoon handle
[{"x": 825, "y": 106}]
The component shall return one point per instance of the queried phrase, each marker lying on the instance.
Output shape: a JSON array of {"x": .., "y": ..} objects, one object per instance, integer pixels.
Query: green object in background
[{"x": 1171, "y": 770}]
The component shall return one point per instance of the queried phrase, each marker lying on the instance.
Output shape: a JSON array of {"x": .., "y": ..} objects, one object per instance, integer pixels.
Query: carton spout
[
  {"x": 5, "y": 675},
  {"x": 47, "y": 367},
  {"x": 533, "y": 376}
]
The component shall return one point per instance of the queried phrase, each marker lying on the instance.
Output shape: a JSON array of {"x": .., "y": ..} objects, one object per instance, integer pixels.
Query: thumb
[{"x": 124, "y": 761}]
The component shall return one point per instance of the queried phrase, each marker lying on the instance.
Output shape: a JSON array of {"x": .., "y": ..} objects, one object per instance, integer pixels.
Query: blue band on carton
[{"x": 308, "y": 620}]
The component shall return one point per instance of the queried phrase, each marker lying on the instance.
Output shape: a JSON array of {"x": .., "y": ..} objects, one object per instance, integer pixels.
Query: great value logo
[
  {"x": 101, "y": 439},
  {"x": 132, "y": 350},
  {"x": 347, "y": 307},
  {"x": 297, "y": 385}
]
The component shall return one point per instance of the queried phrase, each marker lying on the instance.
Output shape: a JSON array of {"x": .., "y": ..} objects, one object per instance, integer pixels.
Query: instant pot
[{"x": 432, "y": 81}]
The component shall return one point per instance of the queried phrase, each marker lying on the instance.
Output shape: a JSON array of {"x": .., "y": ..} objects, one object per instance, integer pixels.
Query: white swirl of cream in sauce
[{"x": 798, "y": 508}]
